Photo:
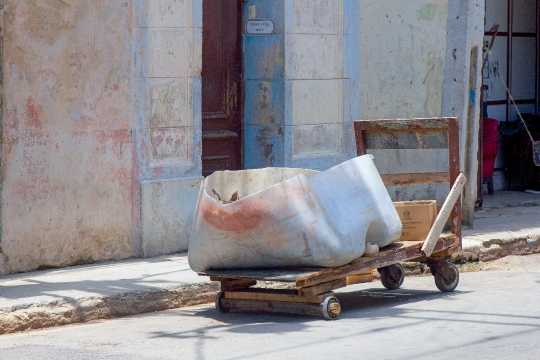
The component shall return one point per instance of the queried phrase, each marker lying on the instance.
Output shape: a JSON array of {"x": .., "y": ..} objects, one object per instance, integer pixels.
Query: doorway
[
  {"x": 513, "y": 62},
  {"x": 514, "y": 57},
  {"x": 222, "y": 85}
]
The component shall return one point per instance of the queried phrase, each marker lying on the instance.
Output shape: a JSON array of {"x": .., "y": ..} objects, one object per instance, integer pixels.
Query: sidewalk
[{"x": 509, "y": 223}]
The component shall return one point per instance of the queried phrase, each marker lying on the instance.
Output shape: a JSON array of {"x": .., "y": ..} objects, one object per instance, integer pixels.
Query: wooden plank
[
  {"x": 219, "y": 134},
  {"x": 439, "y": 255},
  {"x": 230, "y": 285},
  {"x": 262, "y": 294},
  {"x": 415, "y": 178},
  {"x": 281, "y": 275},
  {"x": 406, "y": 140},
  {"x": 365, "y": 264},
  {"x": 282, "y": 307},
  {"x": 322, "y": 288},
  {"x": 360, "y": 278},
  {"x": 360, "y": 137},
  {"x": 396, "y": 252},
  {"x": 453, "y": 161},
  {"x": 445, "y": 254},
  {"x": 440, "y": 221},
  {"x": 470, "y": 140},
  {"x": 424, "y": 124}
]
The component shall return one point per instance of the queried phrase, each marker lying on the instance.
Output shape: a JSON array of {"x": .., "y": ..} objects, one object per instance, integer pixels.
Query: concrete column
[
  {"x": 465, "y": 30},
  {"x": 167, "y": 43}
]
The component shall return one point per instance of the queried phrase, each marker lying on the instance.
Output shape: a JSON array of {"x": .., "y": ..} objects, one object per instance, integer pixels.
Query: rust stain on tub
[{"x": 232, "y": 218}]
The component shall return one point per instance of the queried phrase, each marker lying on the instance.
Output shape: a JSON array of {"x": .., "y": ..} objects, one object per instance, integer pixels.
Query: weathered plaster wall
[
  {"x": 402, "y": 61},
  {"x": 319, "y": 81},
  {"x": 415, "y": 61},
  {"x": 402, "y": 58},
  {"x": 67, "y": 171},
  {"x": 1, "y": 123},
  {"x": 102, "y": 136},
  {"x": 299, "y": 86},
  {"x": 101, "y": 130},
  {"x": 167, "y": 45}
]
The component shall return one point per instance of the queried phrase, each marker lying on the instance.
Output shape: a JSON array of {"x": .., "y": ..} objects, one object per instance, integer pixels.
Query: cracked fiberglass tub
[{"x": 285, "y": 217}]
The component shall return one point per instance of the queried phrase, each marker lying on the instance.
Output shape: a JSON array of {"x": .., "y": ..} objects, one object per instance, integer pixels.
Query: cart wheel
[
  {"x": 451, "y": 281},
  {"x": 392, "y": 276},
  {"x": 331, "y": 308},
  {"x": 220, "y": 295}
]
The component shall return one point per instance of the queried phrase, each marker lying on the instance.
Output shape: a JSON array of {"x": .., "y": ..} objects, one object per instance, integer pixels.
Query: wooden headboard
[{"x": 429, "y": 133}]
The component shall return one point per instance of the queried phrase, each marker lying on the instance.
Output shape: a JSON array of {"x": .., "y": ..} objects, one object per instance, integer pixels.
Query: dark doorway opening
[{"x": 222, "y": 86}]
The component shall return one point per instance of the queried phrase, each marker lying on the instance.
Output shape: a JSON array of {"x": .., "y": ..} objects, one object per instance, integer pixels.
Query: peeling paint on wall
[{"x": 67, "y": 133}]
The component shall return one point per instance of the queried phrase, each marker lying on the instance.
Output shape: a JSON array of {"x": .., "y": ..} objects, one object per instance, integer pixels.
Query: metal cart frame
[{"x": 311, "y": 290}]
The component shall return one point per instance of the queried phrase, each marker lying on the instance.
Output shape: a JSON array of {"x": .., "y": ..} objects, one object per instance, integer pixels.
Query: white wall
[
  {"x": 402, "y": 58},
  {"x": 414, "y": 62}
]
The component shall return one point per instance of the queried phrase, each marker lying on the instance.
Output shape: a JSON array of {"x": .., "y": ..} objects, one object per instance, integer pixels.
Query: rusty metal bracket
[
  {"x": 442, "y": 268},
  {"x": 392, "y": 271}
]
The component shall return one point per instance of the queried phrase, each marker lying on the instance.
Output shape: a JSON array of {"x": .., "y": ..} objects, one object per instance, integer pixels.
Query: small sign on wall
[{"x": 259, "y": 27}]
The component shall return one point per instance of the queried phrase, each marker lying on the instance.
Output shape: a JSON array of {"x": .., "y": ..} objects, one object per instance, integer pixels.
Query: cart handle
[{"x": 438, "y": 225}]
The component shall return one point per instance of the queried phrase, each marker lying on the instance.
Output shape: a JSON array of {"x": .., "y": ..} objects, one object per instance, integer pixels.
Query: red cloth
[{"x": 489, "y": 143}]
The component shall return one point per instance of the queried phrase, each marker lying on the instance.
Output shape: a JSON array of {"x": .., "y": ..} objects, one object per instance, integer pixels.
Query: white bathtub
[{"x": 292, "y": 217}]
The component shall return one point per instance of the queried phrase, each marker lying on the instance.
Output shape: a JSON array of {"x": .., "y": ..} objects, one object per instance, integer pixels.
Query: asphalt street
[{"x": 491, "y": 315}]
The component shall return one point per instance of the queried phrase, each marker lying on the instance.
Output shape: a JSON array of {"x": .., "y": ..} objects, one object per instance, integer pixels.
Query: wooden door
[{"x": 222, "y": 86}]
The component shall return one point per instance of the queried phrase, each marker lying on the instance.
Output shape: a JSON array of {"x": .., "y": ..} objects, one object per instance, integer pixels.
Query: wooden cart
[{"x": 310, "y": 291}]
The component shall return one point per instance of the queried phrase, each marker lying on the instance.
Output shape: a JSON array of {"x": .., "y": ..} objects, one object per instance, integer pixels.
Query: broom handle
[
  {"x": 438, "y": 225},
  {"x": 513, "y": 102}
]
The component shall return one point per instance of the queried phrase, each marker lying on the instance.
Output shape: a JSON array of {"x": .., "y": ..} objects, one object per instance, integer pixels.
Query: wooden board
[
  {"x": 415, "y": 178},
  {"x": 360, "y": 278},
  {"x": 407, "y": 140},
  {"x": 264, "y": 294},
  {"x": 230, "y": 285},
  {"x": 273, "y": 307},
  {"x": 286, "y": 275},
  {"x": 416, "y": 125},
  {"x": 322, "y": 288},
  {"x": 394, "y": 253}
]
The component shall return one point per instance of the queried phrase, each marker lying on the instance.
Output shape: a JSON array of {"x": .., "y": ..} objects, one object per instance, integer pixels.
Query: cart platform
[{"x": 304, "y": 277}]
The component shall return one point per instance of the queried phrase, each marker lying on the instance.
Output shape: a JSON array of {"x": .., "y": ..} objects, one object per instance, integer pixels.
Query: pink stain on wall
[
  {"x": 68, "y": 153},
  {"x": 34, "y": 114}
]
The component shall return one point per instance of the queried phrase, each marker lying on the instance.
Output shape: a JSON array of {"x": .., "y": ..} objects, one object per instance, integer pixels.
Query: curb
[
  {"x": 502, "y": 205},
  {"x": 496, "y": 249},
  {"x": 489, "y": 250},
  {"x": 59, "y": 313},
  {"x": 65, "y": 312}
]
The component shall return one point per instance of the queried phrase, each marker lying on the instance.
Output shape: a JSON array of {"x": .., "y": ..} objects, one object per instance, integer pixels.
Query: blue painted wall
[{"x": 268, "y": 122}]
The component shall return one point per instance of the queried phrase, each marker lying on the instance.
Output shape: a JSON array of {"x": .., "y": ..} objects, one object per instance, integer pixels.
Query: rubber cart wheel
[
  {"x": 220, "y": 295},
  {"x": 392, "y": 276},
  {"x": 331, "y": 308},
  {"x": 447, "y": 285}
]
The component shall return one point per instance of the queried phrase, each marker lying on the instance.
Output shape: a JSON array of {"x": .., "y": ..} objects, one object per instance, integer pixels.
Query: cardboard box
[{"x": 417, "y": 217}]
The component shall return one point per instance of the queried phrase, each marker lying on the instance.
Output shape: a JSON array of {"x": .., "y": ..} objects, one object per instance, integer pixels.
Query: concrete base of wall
[
  {"x": 2, "y": 270},
  {"x": 167, "y": 211},
  {"x": 499, "y": 182}
]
